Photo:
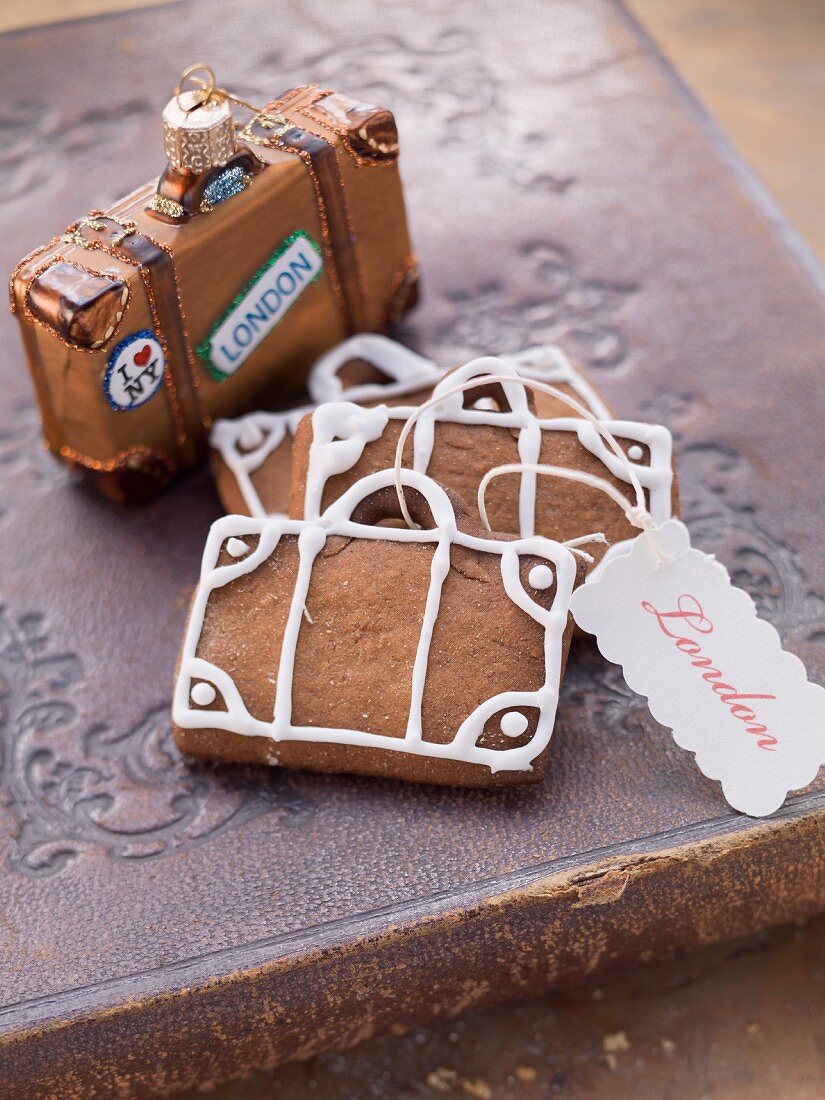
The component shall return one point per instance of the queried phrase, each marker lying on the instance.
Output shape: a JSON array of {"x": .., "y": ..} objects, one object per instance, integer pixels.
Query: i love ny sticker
[{"x": 135, "y": 371}]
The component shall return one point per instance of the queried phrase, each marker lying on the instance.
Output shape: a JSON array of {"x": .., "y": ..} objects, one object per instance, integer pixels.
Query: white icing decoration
[
  {"x": 549, "y": 363},
  {"x": 540, "y": 577},
  {"x": 237, "y": 548},
  {"x": 332, "y": 421},
  {"x": 340, "y": 431},
  {"x": 251, "y": 434},
  {"x": 203, "y": 694},
  {"x": 635, "y": 452},
  {"x": 485, "y": 403},
  {"x": 513, "y": 723},
  {"x": 245, "y": 443},
  {"x": 406, "y": 369},
  {"x": 312, "y": 536}
]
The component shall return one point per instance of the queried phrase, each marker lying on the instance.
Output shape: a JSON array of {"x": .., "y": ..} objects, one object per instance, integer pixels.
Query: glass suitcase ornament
[{"x": 212, "y": 290}]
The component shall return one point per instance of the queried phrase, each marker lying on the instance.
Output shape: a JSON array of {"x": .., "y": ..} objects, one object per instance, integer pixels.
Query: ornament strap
[{"x": 156, "y": 265}]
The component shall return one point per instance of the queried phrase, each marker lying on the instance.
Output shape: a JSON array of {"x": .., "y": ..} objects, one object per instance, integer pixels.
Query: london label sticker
[
  {"x": 135, "y": 371},
  {"x": 259, "y": 307}
]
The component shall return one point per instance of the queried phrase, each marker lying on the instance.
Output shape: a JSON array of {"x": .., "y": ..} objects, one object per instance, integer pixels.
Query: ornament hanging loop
[
  {"x": 195, "y": 97},
  {"x": 189, "y": 99}
]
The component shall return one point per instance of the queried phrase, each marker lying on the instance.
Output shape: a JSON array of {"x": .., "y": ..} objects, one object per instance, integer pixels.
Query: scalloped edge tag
[{"x": 713, "y": 671}]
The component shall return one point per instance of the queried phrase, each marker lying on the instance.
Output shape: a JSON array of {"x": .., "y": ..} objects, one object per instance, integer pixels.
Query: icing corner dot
[
  {"x": 203, "y": 694},
  {"x": 513, "y": 723},
  {"x": 635, "y": 452},
  {"x": 237, "y": 547},
  {"x": 540, "y": 577}
]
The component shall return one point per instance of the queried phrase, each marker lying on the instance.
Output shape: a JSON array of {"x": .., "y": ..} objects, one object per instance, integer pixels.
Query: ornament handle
[
  {"x": 196, "y": 97},
  {"x": 206, "y": 90}
]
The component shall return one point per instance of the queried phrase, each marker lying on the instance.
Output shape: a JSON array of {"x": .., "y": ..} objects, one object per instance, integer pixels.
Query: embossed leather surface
[{"x": 186, "y": 922}]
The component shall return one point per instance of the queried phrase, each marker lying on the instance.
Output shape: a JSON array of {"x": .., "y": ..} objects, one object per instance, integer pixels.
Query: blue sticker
[{"x": 135, "y": 371}]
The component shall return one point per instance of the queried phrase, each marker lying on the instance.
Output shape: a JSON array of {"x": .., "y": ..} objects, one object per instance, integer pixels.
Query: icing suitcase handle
[
  {"x": 374, "y": 499},
  {"x": 395, "y": 362},
  {"x": 516, "y": 397}
]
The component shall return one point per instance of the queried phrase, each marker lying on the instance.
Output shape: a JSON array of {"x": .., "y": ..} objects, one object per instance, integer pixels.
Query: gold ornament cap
[{"x": 198, "y": 127}]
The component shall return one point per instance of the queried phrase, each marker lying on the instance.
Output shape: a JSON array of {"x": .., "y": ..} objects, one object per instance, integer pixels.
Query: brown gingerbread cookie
[
  {"x": 251, "y": 456},
  {"x": 344, "y": 644},
  {"x": 467, "y": 434}
]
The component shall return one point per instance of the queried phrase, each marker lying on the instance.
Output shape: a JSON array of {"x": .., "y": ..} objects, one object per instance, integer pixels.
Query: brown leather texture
[
  {"x": 165, "y": 923},
  {"x": 740, "y": 1018}
]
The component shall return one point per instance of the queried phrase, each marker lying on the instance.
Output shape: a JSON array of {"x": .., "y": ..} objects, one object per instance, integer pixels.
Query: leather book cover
[{"x": 163, "y": 923}]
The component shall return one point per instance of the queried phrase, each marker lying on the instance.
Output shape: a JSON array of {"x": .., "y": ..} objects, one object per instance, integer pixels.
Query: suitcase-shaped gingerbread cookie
[
  {"x": 466, "y": 434},
  {"x": 342, "y": 644},
  {"x": 251, "y": 455}
]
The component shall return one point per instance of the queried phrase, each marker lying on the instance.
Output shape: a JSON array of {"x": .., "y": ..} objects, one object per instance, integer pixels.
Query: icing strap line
[
  {"x": 637, "y": 514},
  {"x": 638, "y": 517}
]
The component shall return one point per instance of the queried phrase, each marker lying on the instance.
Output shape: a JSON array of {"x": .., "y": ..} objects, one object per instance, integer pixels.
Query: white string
[
  {"x": 637, "y": 514},
  {"x": 582, "y": 540},
  {"x": 596, "y": 536},
  {"x": 640, "y": 518}
]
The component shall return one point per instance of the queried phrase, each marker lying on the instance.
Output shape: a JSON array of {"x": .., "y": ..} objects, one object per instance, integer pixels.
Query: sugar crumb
[
  {"x": 616, "y": 1042},
  {"x": 442, "y": 1079},
  {"x": 477, "y": 1088}
]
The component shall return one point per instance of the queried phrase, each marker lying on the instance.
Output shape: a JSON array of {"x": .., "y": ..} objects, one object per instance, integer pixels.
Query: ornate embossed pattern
[
  {"x": 126, "y": 791},
  {"x": 566, "y": 308},
  {"x": 717, "y": 504},
  {"x": 34, "y": 138},
  {"x": 444, "y": 78}
]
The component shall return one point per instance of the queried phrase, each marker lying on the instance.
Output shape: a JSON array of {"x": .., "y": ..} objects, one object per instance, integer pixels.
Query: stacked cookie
[{"x": 354, "y": 614}]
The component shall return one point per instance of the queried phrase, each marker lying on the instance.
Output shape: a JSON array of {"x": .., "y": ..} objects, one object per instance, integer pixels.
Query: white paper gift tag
[{"x": 712, "y": 671}]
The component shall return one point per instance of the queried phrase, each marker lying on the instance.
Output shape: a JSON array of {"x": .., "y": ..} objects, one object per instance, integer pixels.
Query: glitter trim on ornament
[
  {"x": 161, "y": 205},
  {"x": 224, "y": 186}
]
